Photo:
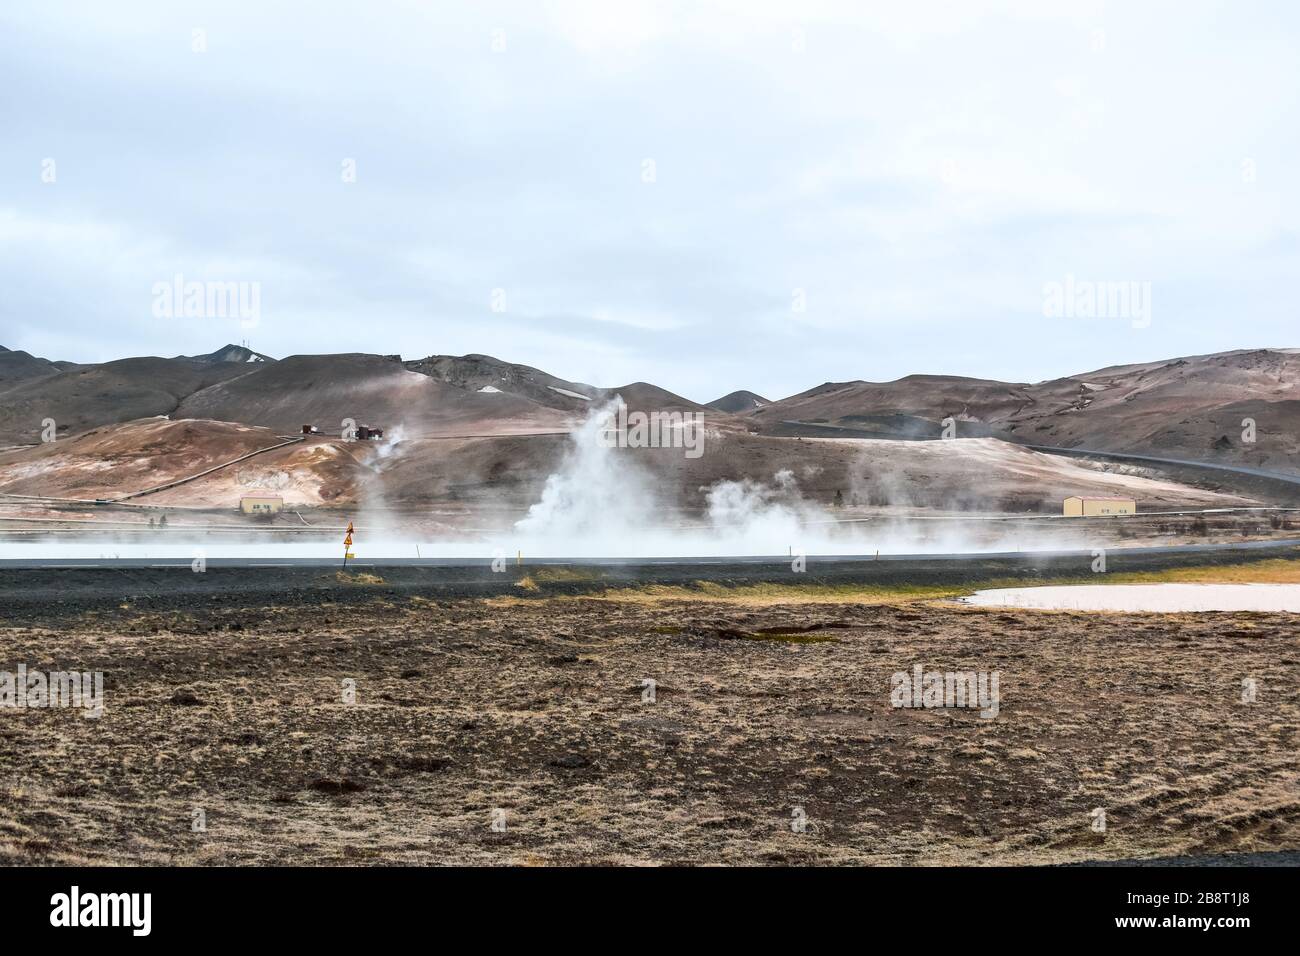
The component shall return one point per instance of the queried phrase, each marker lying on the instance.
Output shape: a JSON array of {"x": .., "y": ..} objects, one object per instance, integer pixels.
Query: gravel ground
[{"x": 519, "y": 731}]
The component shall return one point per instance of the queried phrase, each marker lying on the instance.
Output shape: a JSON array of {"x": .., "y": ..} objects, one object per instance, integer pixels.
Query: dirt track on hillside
[{"x": 532, "y": 713}]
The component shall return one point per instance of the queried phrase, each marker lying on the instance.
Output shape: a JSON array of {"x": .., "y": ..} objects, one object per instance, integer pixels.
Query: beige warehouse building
[
  {"x": 261, "y": 504},
  {"x": 1077, "y": 506}
]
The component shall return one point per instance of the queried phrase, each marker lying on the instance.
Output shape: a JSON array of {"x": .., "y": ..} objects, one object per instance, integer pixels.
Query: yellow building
[
  {"x": 1092, "y": 507},
  {"x": 261, "y": 504}
]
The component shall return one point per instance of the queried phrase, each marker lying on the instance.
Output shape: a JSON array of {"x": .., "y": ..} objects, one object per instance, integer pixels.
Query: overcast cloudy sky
[{"x": 708, "y": 196}]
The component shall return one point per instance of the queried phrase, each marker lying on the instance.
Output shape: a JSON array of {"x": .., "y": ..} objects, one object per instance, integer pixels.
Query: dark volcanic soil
[{"x": 532, "y": 714}]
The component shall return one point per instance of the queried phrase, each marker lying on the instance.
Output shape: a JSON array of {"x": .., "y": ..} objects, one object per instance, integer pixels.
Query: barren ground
[
  {"x": 534, "y": 707},
  {"x": 852, "y": 477}
]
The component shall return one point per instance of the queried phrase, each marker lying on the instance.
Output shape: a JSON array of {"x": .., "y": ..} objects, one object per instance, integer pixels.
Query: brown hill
[
  {"x": 114, "y": 460},
  {"x": 1189, "y": 407},
  {"x": 20, "y": 366},
  {"x": 488, "y": 375},
  {"x": 929, "y": 397},
  {"x": 438, "y": 396},
  {"x": 323, "y": 390},
  {"x": 643, "y": 396},
  {"x": 231, "y": 353},
  {"x": 474, "y": 484},
  {"x": 87, "y": 396},
  {"x": 1183, "y": 408},
  {"x": 739, "y": 402}
]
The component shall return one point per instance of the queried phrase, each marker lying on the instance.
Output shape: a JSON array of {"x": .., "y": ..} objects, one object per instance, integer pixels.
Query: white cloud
[{"x": 919, "y": 169}]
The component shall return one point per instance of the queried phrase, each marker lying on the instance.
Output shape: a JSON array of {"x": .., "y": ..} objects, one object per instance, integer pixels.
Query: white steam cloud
[{"x": 602, "y": 502}]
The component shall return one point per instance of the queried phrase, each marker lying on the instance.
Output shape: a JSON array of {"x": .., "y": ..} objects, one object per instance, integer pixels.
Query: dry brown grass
[
  {"x": 1277, "y": 571},
  {"x": 537, "y": 709},
  {"x": 357, "y": 577},
  {"x": 755, "y": 595}
]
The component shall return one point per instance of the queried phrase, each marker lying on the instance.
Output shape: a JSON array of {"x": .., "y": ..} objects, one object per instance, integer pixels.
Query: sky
[{"x": 708, "y": 196}]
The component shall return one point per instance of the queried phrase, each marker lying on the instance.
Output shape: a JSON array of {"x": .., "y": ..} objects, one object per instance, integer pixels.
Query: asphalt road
[
  {"x": 1180, "y": 462},
  {"x": 1281, "y": 480},
  {"x": 1028, "y": 558},
  {"x": 53, "y": 594}
]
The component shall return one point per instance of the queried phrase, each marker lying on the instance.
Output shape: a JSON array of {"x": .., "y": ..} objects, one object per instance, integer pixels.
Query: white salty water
[{"x": 1166, "y": 598}]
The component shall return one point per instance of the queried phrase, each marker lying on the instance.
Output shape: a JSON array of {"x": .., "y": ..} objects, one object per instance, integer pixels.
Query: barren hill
[
  {"x": 487, "y": 375},
  {"x": 1183, "y": 408},
  {"x": 439, "y": 396},
  {"x": 738, "y": 402},
  {"x": 324, "y": 390},
  {"x": 87, "y": 396},
  {"x": 929, "y": 397},
  {"x": 19, "y": 366},
  {"x": 114, "y": 460},
  {"x": 647, "y": 397},
  {"x": 1189, "y": 407},
  {"x": 473, "y": 484},
  {"x": 231, "y": 353}
]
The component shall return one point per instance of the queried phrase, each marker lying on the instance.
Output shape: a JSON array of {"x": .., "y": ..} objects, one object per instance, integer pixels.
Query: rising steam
[{"x": 605, "y": 502}]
